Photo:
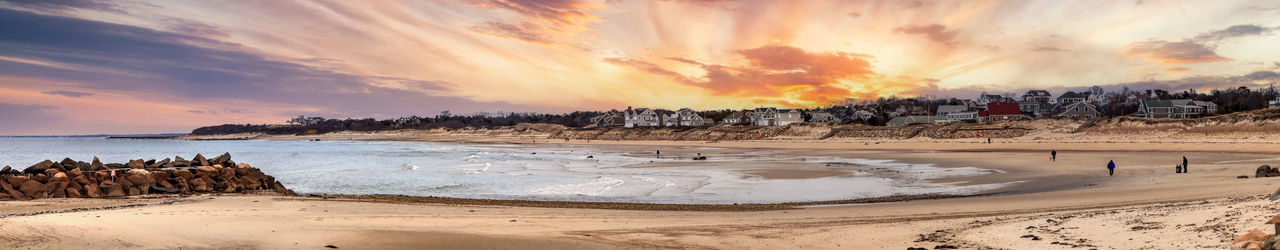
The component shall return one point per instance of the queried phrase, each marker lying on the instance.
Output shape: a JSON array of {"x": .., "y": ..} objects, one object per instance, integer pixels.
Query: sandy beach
[{"x": 1070, "y": 203}]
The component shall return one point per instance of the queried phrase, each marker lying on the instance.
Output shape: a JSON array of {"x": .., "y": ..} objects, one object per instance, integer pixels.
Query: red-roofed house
[{"x": 1001, "y": 111}]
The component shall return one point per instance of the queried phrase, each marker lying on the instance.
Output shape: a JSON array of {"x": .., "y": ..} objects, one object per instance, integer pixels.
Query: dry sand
[{"x": 1063, "y": 204}]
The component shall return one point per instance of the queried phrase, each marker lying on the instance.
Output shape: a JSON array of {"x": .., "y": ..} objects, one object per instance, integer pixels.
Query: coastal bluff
[{"x": 78, "y": 179}]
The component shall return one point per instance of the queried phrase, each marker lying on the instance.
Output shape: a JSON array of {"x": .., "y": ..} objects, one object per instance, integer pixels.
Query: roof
[
  {"x": 1003, "y": 108},
  {"x": 952, "y": 108},
  {"x": 1038, "y": 92},
  {"x": 1070, "y": 94},
  {"x": 1157, "y": 103}
]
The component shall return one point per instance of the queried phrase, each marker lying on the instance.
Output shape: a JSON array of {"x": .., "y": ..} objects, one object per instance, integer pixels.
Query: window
[{"x": 1088, "y": 116}]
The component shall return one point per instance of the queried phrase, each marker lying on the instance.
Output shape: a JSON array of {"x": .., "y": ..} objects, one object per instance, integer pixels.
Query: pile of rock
[
  {"x": 76, "y": 179},
  {"x": 1266, "y": 171},
  {"x": 1257, "y": 239}
]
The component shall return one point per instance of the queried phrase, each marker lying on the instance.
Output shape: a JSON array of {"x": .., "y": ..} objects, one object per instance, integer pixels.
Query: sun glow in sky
[{"x": 91, "y": 66}]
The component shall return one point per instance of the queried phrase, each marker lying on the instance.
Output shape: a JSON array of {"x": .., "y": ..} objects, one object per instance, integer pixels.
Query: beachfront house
[
  {"x": 863, "y": 115},
  {"x": 737, "y": 118},
  {"x": 1037, "y": 95},
  {"x": 1077, "y": 110},
  {"x": 916, "y": 119},
  {"x": 609, "y": 119},
  {"x": 963, "y": 116},
  {"x": 984, "y": 98},
  {"x": 1031, "y": 107},
  {"x": 1071, "y": 97},
  {"x": 1001, "y": 111},
  {"x": 764, "y": 117},
  {"x": 823, "y": 117},
  {"x": 641, "y": 117},
  {"x": 789, "y": 116},
  {"x": 1180, "y": 108},
  {"x": 947, "y": 109},
  {"x": 1275, "y": 104},
  {"x": 686, "y": 117}
]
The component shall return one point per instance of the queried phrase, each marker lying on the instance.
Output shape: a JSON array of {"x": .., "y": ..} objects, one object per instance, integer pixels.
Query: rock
[
  {"x": 243, "y": 165},
  {"x": 200, "y": 185},
  {"x": 74, "y": 173},
  {"x": 84, "y": 166},
  {"x": 60, "y": 177},
  {"x": 206, "y": 171},
  {"x": 32, "y": 188},
  {"x": 170, "y": 190},
  {"x": 1251, "y": 246},
  {"x": 8, "y": 189},
  {"x": 199, "y": 160},
  {"x": 92, "y": 191},
  {"x": 1242, "y": 177},
  {"x": 38, "y": 168},
  {"x": 159, "y": 164},
  {"x": 221, "y": 159},
  {"x": 1263, "y": 171},
  {"x": 17, "y": 180},
  {"x": 66, "y": 164},
  {"x": 73, "y": 193},
  {"x": 1253, "y": 235},
  {"x": 111, "y": 189},
  {"x": 51, "y": 171},
  {"x": 139, "y": 163},
  {"x": 116, "y": 165},
  {"x": 135, "y": 191},
  {"x": 179, "y": 162},
  {"x": 96, "y": 163},
  {"x": 5, "y": 170}
]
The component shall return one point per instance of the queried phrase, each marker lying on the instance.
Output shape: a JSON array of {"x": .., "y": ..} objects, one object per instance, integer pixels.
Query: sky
[{"x": 132, "y": 66}]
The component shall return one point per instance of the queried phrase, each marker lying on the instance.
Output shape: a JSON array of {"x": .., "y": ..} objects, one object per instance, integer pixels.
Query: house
[
  {"x": 901, "y": 110},
  {"x": 863, "y": 115},
  {"x": 764, "y": 117},
  {"x": 1071, "y": 97},
  {"x": 984, "y": 98},
  {"x": 686, "y": 117},
  {"x": 916, "y": 119},
  {"x": 642, "y": 117},
  {"x": 737, "y": 118},
  {"x": 963, "y": 116},
  {"x": 789, "y": 116},
  {"x": 609, "y": 119},
  {"x": 1181, "y": 108},
  {"x": 1077, "y": 110},
  {"x": 823, "y": 117},
  {"x": 1037, "y": 95},
  {"x": 947, "y": 109},
  {"x": 1031, "y": 107},
  {"x": 1275, "y": 104},
  {"x": 1001, "y": 111},
  {"x": 1204, "y": 107}
]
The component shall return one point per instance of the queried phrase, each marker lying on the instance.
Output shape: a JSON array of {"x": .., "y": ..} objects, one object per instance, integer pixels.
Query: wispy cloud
[{"x": 68, "y": 93}]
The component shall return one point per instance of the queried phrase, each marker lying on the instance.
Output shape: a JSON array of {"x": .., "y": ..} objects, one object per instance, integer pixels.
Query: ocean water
[{"x": 515, "y": 172}]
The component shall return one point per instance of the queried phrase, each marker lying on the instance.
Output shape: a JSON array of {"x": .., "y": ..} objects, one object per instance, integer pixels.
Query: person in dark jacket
[
  {"x": 1185, "y": 168},
  {"x": 1053, "y": 155},
  {"x": 1111, "y": 167}
]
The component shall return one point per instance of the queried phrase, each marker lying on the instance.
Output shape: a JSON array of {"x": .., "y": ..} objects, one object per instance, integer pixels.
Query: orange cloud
[
  {"x": 1173, "y": 52},
  {"x": 790, "y": 76}
]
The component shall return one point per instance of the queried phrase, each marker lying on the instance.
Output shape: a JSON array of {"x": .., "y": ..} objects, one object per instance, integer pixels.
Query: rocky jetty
[{"x": 78, "y": 179}]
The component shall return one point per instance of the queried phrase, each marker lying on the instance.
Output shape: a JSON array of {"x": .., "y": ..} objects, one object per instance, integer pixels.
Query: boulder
[
  {"x": 32, "y": 188},
  {"x": 111, "y": 189},
  {"x": 96, "y": 163},
  {"x": 206, "y": 171},
  {"x": 200, "y": 185},
  {"x": 73, "y": 193},
  {"x": 74, "y": 173},
  {"x": 38, "y": 168},
  {"x": 93, "y": 191},
  {"x": 6, "y": 169},
  {"x": 179, "y": 162},
  {"x": 159, "y": 164},
  {"x": 51, "y": 171},
  {"x": 116, "y": 165},
  {"x": 66, "y": 164},
  {"x": 199, "y": 160},
  {"x": 184, "y": 174},
  {"x": 243, "y": 165},
  {"x": 16, "y": 180},
  {"x": 8, "y": 189},
  {"x": 135, "y": 191},
  {"x": 40, "y": 177},
  {"x": 139, "y": 163},
  {"x": 1263, "y": 171},
  {"x": 60, "y": 177},
  {"x": 84, "y": 166},
  {"x": 1253, "y": 235},
  {"x": 221, "y": 159}
]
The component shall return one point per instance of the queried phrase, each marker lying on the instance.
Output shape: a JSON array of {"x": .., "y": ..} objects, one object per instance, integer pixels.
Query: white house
[
  {"x": 823, "y": 117},
  {"x": 687, "y": 117},
  {"x": 642, "y": 117},
  {"x": 962, "y": 116},
  {"x": 789, "y": 116}
]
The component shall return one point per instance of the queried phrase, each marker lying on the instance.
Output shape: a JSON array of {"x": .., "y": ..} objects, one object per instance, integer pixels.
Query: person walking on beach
[
  {"x": 1185, "y": 168},
  {"x": 658, "y": 153},
  {"x": 1053, "y": 155},
  {"x": 1111, "y": 167},
  {"x": 988, "y": 140}
]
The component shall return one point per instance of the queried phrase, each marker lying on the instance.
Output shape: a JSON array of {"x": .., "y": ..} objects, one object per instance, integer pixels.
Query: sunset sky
[{"x": 89, "y": 66}]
